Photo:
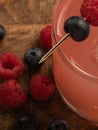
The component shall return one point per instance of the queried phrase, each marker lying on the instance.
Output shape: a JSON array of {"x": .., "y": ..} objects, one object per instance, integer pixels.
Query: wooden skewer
[{"x": 53, "y": 49}]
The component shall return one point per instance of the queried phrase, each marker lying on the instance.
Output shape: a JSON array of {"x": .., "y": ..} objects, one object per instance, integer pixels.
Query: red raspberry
[
  {"x": 10, "y": 66},
  {"x": 41, "y": 88},
  {"x": 89, "y": 10},
  {"x": 45, "y": 38},
  {"x": 12, "y": 94}
]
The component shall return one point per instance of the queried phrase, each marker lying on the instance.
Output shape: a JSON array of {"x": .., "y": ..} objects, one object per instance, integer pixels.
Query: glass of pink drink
[{"x": 75, "y": 64}]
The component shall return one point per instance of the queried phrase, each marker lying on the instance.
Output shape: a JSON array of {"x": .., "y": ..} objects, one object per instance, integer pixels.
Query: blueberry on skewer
[{"x": 75, "y": 27}]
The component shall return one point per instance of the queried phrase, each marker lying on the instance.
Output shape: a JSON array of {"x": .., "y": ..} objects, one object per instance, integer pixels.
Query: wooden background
[{"x": 23, "y": 20}]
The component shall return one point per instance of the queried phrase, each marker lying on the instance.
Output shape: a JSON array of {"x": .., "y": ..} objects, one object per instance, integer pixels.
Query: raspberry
[
  {"x": 45, "y": 38},
  {"x": 41, "y": 88},
  {"x": 10, "y": 66},
  {"x": 89, "y": 10},
  {"x": 12, "y": 94}
]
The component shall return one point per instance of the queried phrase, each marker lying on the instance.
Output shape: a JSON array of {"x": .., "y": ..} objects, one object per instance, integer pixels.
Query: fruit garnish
[
  {"x": 33, "y": 56},
  {"x": 89, "y": 11},
  {"x": 77, "y": 27},
  {"x": 58, "y": 125},
  {"x": 41, "y": 88},
  {"x": 28, "y": 122}
]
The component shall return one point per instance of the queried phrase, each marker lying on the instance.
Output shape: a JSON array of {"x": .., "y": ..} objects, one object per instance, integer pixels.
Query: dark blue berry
[
  {"x": 58, "y": 125},
  {"x": 77, "y": 27},
  {"x": 2, "y": 32},
  {"x": 28, "y": 122},
  {"x": 33, "y": 56}
]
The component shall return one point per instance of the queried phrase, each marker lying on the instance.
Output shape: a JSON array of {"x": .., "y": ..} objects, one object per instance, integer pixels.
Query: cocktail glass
[{"x": 75, "y": 64}]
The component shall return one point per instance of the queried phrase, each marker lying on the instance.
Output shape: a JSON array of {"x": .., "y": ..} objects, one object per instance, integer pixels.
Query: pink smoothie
[{"x": 75, "y": 64}]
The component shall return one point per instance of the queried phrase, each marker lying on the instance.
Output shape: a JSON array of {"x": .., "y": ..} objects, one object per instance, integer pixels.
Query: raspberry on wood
[
  {"x": 10, "y": 65},
  {"x": 41, "y": 88},
  {"x": 12, "y": 94},
  {"x": 45, "y": 38}
]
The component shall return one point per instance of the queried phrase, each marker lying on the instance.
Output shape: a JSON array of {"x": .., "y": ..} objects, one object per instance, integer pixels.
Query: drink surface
[{"x": 77, "y": 81}]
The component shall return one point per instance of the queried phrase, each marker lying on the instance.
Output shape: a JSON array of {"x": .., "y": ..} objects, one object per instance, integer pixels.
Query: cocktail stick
[{"x": 53, "y": 48}]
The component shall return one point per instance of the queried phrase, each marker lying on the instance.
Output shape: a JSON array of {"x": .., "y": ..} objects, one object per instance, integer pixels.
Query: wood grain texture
[
  {"x": 23, "y": 20},
  {"x": 26, "y": 11}
]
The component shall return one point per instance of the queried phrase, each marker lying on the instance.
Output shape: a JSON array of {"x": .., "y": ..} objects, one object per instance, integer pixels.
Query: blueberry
[
  {"x": 58, "y": 125},
  {"x": 77, "y": 27},
  {"x": 33, "y": 56},
  {"x": 28, "y": 122},
  {"x": 2, "y": 32}
]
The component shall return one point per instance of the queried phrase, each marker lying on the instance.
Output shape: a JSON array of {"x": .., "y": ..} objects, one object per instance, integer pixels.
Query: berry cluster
[
  {"x": 33, "y": 55},
  {"x": 77, "y": 26},
  {"x": 31, "y": 122},
  {"x": 41, "y": 87},
  {"x": 12, "y": 94}
]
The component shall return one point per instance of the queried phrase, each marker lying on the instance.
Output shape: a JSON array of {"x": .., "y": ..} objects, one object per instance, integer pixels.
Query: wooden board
[{"x": 23, "y": 20}]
